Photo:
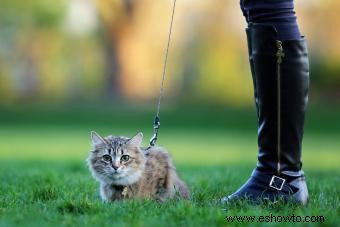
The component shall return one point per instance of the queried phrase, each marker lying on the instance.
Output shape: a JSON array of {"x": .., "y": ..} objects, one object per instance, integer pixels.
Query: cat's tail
[
  {"x": 180, "y": 187},
  {"x": 174, "y": 185}
]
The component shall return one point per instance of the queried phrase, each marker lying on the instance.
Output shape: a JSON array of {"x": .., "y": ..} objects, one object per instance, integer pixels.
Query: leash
[{"x": 157, "y": 122}]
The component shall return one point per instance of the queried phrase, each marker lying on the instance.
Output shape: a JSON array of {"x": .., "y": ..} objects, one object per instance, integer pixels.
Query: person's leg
[
  {"x": 280, "y": 70},
  {"x": 278, "y": 13}
]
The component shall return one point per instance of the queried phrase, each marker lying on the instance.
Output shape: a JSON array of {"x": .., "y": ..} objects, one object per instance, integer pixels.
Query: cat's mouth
[{"x": 116, "y": 175}]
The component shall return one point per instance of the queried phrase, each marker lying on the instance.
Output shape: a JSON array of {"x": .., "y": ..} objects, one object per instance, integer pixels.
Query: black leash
[{"x": 157, "y": 122}]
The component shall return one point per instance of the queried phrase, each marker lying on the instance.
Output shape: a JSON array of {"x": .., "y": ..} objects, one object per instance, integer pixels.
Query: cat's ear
[
  {"x": 96, "y": 139},
  {"x": 136, "y": 141}
]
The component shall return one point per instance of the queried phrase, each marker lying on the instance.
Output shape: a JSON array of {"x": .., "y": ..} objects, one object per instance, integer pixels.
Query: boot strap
[{"x": 274, "y": 182}]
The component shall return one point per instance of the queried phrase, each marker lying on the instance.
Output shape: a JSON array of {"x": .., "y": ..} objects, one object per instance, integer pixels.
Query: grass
[{"x": 44, "y": 180}]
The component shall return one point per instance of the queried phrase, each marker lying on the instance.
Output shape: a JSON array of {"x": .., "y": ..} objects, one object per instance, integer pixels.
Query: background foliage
[{"x": 87, "y": 50}]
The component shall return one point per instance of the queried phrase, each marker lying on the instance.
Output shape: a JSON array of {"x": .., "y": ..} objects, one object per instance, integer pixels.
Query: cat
[{"x": 125, "y": 170}]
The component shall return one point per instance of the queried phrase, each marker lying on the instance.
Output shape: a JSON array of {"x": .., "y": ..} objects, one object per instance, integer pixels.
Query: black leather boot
[{"x": 280, "y": 71}]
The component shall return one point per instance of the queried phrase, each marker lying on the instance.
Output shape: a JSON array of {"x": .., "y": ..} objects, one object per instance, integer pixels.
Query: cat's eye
[
  {"x": 125, "y": 158},
  {"x": 107, "y": 158}
]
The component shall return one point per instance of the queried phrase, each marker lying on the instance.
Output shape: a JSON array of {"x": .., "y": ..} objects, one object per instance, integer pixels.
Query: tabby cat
[{"x": 125, "y": 170}]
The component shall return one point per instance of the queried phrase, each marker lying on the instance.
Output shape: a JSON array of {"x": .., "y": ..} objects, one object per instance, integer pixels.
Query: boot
[{"x": 280, "y": 71}]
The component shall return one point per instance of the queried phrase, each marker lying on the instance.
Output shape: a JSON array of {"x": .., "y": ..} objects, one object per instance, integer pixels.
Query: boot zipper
[{"x": 279, "y": 55}]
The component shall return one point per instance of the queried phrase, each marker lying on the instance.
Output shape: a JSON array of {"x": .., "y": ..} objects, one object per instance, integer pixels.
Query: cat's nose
[{"x": 115, "y": 167}]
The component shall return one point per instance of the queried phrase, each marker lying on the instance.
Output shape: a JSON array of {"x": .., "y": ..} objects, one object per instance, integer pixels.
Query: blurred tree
[
  {"x": 319, "y": 21},
  {"x": 58, "y": 50},
  {"x": 18, "y": 40},
  {"x": 48, "y": 52},
  {"x": 117, "y": 17}
]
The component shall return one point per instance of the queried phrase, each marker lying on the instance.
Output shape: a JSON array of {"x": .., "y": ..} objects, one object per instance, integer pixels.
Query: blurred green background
[{"x": 71, "y": 66}]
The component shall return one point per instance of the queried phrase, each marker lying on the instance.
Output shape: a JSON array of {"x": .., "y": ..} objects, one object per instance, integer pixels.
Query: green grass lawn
[{"x": 44, "y": 180}]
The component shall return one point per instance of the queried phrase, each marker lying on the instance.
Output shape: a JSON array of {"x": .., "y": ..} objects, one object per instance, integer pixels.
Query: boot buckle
[{"x": 277, "y": 182}]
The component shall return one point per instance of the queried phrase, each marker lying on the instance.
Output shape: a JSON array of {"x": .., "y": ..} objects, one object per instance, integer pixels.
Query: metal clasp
[{"x": 156, "y": 126}]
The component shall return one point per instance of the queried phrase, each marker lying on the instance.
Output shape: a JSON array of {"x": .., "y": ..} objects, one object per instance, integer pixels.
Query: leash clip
[{"x": 156, "y": 126}]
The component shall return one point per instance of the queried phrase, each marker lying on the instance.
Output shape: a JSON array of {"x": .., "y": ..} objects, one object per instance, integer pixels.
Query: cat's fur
[{"x": 147, "y": 174}]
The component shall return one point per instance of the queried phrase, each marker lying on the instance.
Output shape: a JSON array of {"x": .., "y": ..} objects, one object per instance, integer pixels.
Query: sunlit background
[{"x": 70, "y": 66}]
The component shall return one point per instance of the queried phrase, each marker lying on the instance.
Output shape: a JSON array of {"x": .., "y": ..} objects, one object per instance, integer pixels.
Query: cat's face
[{"x": 116, "y": 160}]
